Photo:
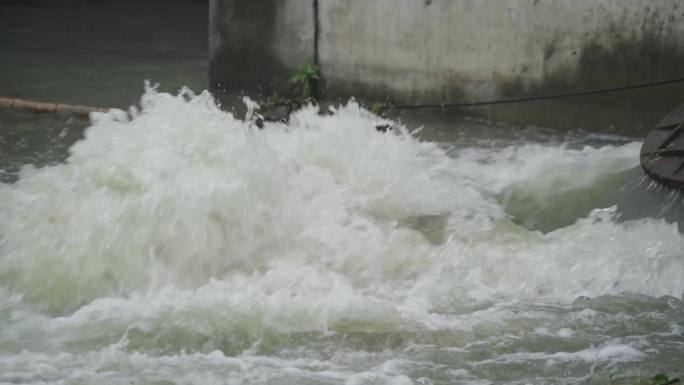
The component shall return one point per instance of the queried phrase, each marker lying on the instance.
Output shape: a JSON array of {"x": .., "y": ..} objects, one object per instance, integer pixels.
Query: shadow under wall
[
  {"x": 243, "y": 59},
  {"x": 627, "y": 62}
]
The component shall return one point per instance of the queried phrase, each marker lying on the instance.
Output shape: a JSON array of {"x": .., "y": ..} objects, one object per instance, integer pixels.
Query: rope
[{"x": 533, "y": 98}]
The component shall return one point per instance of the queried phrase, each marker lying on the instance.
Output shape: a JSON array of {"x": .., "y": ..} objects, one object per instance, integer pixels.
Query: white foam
[
  {"x": 185, "y": 193},
  {"x": 186, "y": 228},
  {"x": 610, "y": 352}
]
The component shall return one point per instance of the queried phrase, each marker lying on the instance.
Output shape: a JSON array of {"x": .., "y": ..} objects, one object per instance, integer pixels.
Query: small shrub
[
  {"x": 305, "y": 80},
  {"x": 663, "y": 379}
]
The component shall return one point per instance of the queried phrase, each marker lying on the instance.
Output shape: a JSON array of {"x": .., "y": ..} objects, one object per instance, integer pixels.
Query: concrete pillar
[{"x": 256, "y": 45}]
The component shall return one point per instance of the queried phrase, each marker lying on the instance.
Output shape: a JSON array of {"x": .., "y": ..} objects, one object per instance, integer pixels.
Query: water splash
[{"x": 184, "y": 228}]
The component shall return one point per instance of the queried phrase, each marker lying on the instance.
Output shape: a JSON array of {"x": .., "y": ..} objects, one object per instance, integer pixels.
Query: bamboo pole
[{"x": 43, "y": 107}]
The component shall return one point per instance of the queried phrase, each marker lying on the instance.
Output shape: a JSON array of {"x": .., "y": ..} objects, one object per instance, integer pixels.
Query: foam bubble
[{"x": 323, "y": 250}]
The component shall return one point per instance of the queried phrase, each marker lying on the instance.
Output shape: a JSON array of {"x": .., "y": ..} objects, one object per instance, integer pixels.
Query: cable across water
[{"x": 532, "y": 98}]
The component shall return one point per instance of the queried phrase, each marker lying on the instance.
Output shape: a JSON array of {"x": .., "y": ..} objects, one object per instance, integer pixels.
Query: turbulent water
[{"x": 187, "y": 246}]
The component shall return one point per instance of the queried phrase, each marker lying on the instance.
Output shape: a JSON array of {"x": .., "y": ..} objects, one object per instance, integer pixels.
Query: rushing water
[{"x": 187, "y": 246}]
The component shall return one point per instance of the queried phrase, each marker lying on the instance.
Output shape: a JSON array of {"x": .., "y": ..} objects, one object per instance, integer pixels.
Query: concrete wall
[
  {"x": 418, "y": 51},
  {"x": 255, "y": 46}
]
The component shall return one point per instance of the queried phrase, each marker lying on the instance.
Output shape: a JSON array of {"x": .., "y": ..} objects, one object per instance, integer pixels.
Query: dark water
[
  {"x": 100, "y": 52},
  {"x": 96, "y": 53}
]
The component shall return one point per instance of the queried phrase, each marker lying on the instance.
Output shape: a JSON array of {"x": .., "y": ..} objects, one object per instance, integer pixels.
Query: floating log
[{"x": 43, "y": 107}]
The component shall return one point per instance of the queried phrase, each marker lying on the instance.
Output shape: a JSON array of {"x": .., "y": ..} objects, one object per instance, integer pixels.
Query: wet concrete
[
  {"x": 628, "y": 61},
  {"x": 245, "y": 39},
  {"x": 408, "y": 52}
]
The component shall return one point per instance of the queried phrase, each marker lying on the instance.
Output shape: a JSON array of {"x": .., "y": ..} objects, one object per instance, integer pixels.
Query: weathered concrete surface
[
  {"x": 255, "y": 46},
  {"x": 426, "y": 51}
]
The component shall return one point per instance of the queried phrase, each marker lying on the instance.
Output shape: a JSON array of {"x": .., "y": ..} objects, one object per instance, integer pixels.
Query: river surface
[{"x": 184, "y": 245}]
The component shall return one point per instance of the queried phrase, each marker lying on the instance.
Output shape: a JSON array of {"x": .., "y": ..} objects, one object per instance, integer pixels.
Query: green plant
[
  {"x": 279, "y": 108},
  {"x": 267, "y": 106},
  {"x": 663, "y": 379},
  {"x": 305, "y": 79},
  {"x": 377, "y": 108}
]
